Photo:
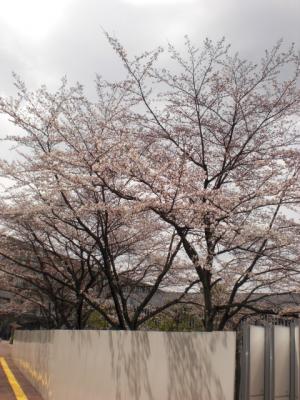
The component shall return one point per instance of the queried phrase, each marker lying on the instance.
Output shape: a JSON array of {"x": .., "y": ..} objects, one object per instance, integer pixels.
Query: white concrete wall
[{"x": 118, "y": 365}]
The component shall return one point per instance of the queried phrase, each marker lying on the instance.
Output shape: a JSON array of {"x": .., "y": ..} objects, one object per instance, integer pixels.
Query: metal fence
[{"x": 268, "y": 360}]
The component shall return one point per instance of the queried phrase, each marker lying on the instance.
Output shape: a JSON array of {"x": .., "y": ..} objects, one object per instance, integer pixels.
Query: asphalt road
[{"x": 13, "y": 384}]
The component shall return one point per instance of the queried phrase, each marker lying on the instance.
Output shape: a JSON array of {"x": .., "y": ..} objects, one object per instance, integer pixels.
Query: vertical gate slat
[
  {"x": 245, "y": 364},
  {"x": 269, "y": 362},
  {"x": 292, "y": 363}
]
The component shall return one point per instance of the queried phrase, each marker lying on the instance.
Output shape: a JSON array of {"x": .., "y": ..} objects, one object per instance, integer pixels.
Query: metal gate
[{"x": 269, "y": 361}]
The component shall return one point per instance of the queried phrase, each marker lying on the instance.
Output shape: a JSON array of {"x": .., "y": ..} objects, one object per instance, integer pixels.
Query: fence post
[
  {"x": 269, "y": 362},
  {"x": 245, "y": 364},
  {"x": 292, "y": 362}
]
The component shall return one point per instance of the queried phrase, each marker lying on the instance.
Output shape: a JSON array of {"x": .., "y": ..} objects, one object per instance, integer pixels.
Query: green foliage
[
  {"x": 181, "y": 320},
  {"x": 96, "y": 321}
]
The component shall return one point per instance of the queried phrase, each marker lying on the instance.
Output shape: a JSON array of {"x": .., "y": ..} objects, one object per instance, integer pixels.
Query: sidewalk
[{"x": 13, "y": 384}]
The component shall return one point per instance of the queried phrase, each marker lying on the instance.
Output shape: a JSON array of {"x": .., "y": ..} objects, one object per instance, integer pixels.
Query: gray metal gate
[{"x": 269, "y": 362}]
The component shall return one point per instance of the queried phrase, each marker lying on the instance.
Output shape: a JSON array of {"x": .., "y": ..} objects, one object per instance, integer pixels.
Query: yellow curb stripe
[{"x": 20, "y": 395}]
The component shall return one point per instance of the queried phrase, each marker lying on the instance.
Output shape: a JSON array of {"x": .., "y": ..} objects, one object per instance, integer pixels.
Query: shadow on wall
[
  {"x": 182, "y": 364},
  {"x": 191, "y": 371},
  {"x": 132, "y": 364}
]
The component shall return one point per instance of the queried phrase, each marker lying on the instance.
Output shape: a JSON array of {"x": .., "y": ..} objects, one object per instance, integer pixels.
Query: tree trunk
[{"x": 208, "y": 319}]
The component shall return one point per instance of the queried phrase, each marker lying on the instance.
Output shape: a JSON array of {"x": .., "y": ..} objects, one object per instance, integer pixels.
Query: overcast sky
[{"x": 42, "y": 40}]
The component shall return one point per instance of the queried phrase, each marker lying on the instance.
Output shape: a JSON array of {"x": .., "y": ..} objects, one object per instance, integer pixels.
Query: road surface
[{"x": 13, "y": 384}]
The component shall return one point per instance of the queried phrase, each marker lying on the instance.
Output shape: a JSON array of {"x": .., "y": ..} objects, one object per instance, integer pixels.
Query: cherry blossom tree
[
  {"x": 38, "y": 284},
  {"x": 215, "y": 154},
  {"x": 83, "y": 235},
  {"x": 182, "y": 175}
]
